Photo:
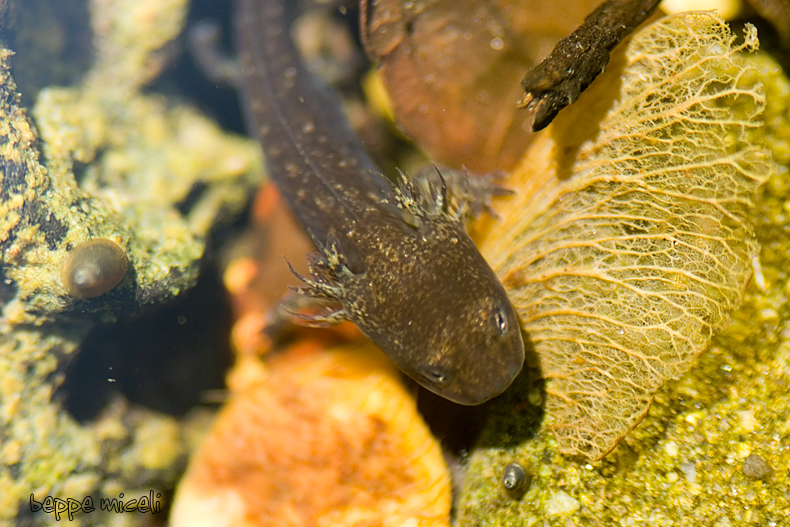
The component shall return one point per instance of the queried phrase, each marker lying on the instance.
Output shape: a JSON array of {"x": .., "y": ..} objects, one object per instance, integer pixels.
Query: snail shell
[
  {"x": 515, "y": 479},
  {"x": 93, "y": 268}
]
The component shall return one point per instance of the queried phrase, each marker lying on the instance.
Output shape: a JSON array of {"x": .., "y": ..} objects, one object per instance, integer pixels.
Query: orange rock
[{"x": 325, "y": 438}]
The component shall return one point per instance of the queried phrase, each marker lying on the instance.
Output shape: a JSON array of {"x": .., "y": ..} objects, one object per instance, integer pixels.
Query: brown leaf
[{"x": 453, "y": 70}]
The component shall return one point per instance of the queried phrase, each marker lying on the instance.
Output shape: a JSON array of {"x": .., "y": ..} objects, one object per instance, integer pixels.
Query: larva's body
[{"x": 396, "y": 260}]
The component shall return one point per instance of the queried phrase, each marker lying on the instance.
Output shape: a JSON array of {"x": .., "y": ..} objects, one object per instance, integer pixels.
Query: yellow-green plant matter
[{"x": 631, "y": 243}]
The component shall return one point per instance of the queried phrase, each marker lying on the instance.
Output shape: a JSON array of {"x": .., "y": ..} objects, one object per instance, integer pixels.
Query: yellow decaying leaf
[{"x": 629, "y": 242}]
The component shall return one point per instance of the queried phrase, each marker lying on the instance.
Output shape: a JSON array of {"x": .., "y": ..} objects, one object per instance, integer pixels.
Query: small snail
[
  {"x": 515, "y": 479},
  {"x": 93, "y": 268}
]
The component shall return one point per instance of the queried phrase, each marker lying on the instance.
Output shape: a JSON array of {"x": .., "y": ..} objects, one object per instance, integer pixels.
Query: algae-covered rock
[
  {"x": 684, "y": 464},
  {"x": 45, "y": 452},
  {"x": 149, "y": 176}
]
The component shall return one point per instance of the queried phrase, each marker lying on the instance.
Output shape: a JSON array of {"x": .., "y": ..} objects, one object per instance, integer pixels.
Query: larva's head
[{"x": 436, "y": 308}]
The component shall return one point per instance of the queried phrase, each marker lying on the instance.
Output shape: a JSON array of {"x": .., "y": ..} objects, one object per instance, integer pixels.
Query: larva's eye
[
  {"x": 500, "y": 318},
  {"x": 436, "y": 376}
]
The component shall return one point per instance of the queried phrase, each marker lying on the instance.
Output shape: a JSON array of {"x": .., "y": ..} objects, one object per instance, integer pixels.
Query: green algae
[{"x": 684, "y": 463}]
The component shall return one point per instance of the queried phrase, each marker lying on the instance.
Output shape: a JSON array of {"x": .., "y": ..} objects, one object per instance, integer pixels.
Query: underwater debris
[
  {"x": 755, "y": 467},
  {"x": 452, "y": 70},
  {"x": 579, "y": 58}
]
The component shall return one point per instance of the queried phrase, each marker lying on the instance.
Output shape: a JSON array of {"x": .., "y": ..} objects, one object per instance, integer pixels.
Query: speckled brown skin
[{"x": 395, "y": 257}]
